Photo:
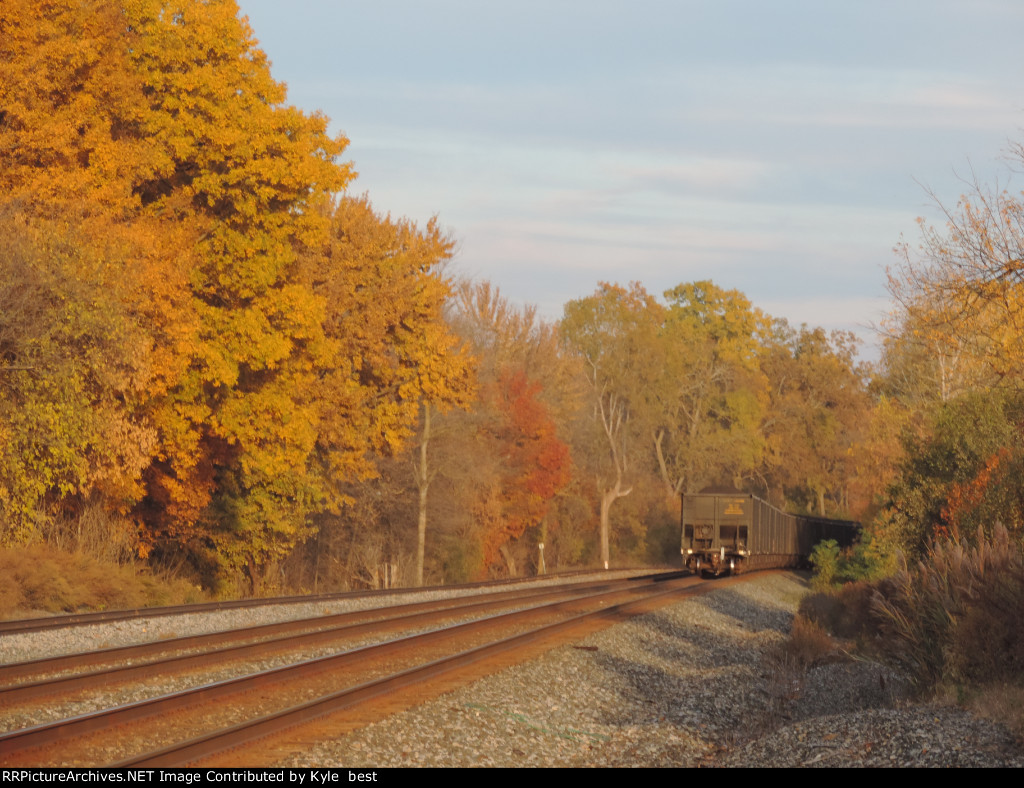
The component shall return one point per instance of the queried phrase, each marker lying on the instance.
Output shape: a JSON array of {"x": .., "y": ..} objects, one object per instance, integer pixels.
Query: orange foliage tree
[
  {"x": 71, "y": 107},
  {"x": 71, "y": 155},
  {"x": 535, "y": 464},
  {"x": 75, "y": 366},
  {"x": 390, "y": 348},
  {"x": 394, "y": 358},
  {"x": 499, "y": 459},
  {"x": 817, "y": 411},
  {"x": 287, "y": 335},
  {"x": 237, "y": 162}
]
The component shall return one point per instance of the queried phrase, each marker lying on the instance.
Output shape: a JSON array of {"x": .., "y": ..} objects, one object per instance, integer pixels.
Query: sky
[{"x": 781, "y": 149}]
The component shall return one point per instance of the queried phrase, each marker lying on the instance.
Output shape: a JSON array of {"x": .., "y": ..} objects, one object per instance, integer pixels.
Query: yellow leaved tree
[
  {"x": 960, "y": 291},
  {"x": 287, "y": 334}
]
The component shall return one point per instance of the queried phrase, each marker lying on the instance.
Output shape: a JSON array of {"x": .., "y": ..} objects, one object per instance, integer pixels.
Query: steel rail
[
  {"x": 15, "y": 626},
  {"x": 53, "y": 664},
  {"x": 47, "y": 734},
  {"x": 204, "y": 747},
  {"x": 283, "y": 636}
]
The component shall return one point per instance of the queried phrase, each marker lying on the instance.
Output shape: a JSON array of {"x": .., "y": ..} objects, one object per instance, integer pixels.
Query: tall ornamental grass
[{"x": 957, "y": 617}]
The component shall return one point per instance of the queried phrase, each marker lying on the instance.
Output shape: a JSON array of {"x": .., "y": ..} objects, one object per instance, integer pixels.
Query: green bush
[
  {"x": 862, "y": 561},
  {"x": 825, "y": 559}
]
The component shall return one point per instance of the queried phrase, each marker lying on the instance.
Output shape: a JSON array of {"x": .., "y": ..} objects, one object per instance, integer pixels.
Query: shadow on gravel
[
  {"x": 711, "y": 667},
  {"x": 698, "y": 666},
  {"x": 710, "y": 705},
  {"x": 748, "y": 614}
]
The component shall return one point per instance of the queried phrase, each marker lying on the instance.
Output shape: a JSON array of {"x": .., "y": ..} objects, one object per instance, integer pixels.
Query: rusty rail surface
[
  {"x": 501, "y": 653},
  {"x": 252, "y": 642},
  {"x": 14, "y": 626},
  {"x": 23, "y": 747}
]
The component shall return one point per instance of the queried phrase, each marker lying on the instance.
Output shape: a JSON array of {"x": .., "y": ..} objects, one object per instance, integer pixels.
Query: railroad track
[
  {"x": 345, "y": 688},
  {"x": 60, "y": 675},
  {"x": 43, "y": 624}
]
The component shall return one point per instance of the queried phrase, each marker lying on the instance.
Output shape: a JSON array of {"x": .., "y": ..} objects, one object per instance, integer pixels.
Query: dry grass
[
  {"x": 957, "y": 618},
  {"x": 954, "y": 623},
  {"x": 808, "y": 644},
  {"x": 39, "y": 579},
  {"x": 846, "y": 612},
  {"x": 1001, "y": 702}
]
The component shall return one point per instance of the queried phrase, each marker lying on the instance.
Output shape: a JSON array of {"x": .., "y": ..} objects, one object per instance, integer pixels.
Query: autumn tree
[
  {"x": 711, "y": 392},
  {"x": 389, "y": 346},
  {"x": 250, "y": 170},
  {"x": 529, "y": 394},
  {"x": 499, "y": 461},
  {"x": 992, "y": 496},
  {"x": 877, "y": 453},
  {"x": 392, "y": 361},
  {"x": 390, "y": 358},
  {"x": 75, "y": 365},
  {"x": 72, "y": 152},
  {"x": 509, "y": 336},
  {"x": 613, "y": 332},
  {"x": 72, "y": 107},
  {"x": 963, "y": 285},
  {"x": 537, "y": 464},
  {"x": 818, "y": 404},
  {"x": 922, "y": 365},
  {"x": 960, "y": 473},
  {"x": 291, "y": 336},
  {"x": 954, "y": 357}
]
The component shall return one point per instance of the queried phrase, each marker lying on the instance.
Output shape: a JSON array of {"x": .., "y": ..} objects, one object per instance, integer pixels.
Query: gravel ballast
[
  {"x": 18, "y": 647},
  {"x": 697, "y": 683},
  {"x": 690, "y": 685}
]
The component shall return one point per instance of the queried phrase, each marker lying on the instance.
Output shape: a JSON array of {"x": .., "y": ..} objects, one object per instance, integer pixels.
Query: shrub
[
  {"x": 863, "y": 561},
  {"x": 846, "y": 611},
  {"x": 807, "y": 644},
  {"x": 825, "y": 559},
  {"x": 38, "y": 578}
]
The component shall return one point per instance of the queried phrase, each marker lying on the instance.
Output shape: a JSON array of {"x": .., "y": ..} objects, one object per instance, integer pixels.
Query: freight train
[{"x": 732, "y": 531}]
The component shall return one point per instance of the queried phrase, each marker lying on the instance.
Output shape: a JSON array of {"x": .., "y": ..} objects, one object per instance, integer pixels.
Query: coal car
[{"x": 728, "y": 531}]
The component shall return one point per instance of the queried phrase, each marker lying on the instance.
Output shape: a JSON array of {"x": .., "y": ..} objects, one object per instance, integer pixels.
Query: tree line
[{"x": 216, "y": 359}]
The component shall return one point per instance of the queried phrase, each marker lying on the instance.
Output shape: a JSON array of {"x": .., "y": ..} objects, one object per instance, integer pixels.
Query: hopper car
[{"x": 728, "y": 531}]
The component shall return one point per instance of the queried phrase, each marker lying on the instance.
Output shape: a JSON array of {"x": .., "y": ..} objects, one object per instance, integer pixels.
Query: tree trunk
[
  {"x": 423, "y": 483},
  {"x": 608, "y": 497},
  {"x": 510, "y": 561},
  {"x": 659, "y": 436},
  {"x": 606, "y": 503}
]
